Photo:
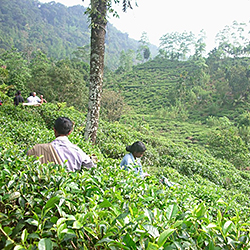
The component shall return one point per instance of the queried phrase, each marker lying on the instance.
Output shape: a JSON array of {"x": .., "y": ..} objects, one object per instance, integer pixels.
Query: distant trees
[
  {"x": 238, "y": 77},
  {"x": 54, "y": 29},
  {"x": 112, "y": 105},
  {"x": 17, "y": 71},
  {"x": 126, "y": 61},
  {"x": 229, "y": 66},
  {"x": 176, "y": 45},
  {"x": 40, "y": 82},
  {"x": 66, "y": 84},
  {"x": 83, "y": 53},
  {"x": 143, "y": 51},
  {"x": 3, "y": 72},
  {"x": 200, "y": 45},
  {"x": 234, "y": 40},
  {"x": 59, "y": 81}
]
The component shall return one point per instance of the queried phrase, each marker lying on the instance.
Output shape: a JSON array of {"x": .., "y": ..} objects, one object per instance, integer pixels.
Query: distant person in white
[
  {"x": 30, "y": 99},
  {"x": 36, "y": 99},
  {"x": 33, "y": 98}
]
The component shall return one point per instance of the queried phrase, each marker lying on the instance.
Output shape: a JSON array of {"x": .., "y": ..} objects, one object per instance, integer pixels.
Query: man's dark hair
[
  {"x": 19, "y": 92},
  {"x": 63, "y": 125},
  {"x": 137, "y": 146}
]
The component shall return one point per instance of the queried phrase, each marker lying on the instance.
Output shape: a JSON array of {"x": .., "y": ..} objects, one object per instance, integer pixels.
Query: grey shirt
[{"x": 75, "y": 158}]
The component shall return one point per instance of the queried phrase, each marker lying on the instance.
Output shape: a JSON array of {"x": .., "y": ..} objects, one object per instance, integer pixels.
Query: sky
[{"x": 159, "y": 17}]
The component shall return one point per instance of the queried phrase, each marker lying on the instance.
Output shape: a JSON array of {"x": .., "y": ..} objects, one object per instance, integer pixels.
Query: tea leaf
[
  {"x": 164, "y": 235},
  {"x": 32, "y": 222},
  {"x": 152, "y": 246},
  {"x": 105, "y": 203},
  {"x": 227, "y": 226},
  {"x": 45, "y": 244},
  {"x": 151, "y": 230},
  {"x": 148, "y": 213},
  {"x": 19, "y": 247},
  {"x": 90, "y": 230},
  {"x": 171, "y": 211},
  {"x": 24, "y": 236},
  {"x": 129, "y": 242},
  {"x": 77, "y": 225},
  {"x": 51, "y": 203}
]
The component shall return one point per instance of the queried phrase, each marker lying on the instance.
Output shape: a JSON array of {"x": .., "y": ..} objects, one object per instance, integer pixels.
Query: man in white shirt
[
  {"x": 30, "y": 99},
  {"x": 62, "y": 148},
  {"x": 36, "y": 99}
]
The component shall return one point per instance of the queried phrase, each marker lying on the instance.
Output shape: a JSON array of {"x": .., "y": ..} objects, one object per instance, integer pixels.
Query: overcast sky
[{"x": 159, "y": 17}]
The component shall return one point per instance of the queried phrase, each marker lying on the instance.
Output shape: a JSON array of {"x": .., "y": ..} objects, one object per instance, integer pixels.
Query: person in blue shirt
[{"x": 132, "y": 161}]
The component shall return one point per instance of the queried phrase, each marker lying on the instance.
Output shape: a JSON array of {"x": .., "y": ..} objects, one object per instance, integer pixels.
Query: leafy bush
[
  {"x": 227, "y": 144},
  {"x": 44, "y": 206}
]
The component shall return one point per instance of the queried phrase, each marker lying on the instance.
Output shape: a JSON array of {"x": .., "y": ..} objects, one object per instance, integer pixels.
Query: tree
[
  {"x": 3, "y": 73},
  {"x": 60, "y": 81},
  {"x": 17, "y": 73},
  {"x": 200, "y": 45},
  {"x": 112, "y": 105},
  {"x": 146, "y": 53},
  {"x": 176, "y": 46},
  {"x": 126, "y": 61},
  {"x": 66, "y": 85},
  {"x": 98, "y": 14},
  {"x": 39, "y": 67},
  {"x": 233, "y": 40},
  {"x": 238, "y": 77},
  {"x": 82, "y": 53},
  {"x": 143, "y": 51}
]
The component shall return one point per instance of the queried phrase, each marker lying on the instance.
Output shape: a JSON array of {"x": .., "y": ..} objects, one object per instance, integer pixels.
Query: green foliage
[
  {"x": 56, "y": 30},
  {"x": 58, "y": 81},
  {"x": 143, "y": 51},
  {"x": 176, "y": 46},
  {"x": 171, "y": 103},
  {"x": 17, "y": 71},
  {"x": 244, "y": 119},
  {"x": 4, "y": 89},
  {"x": 44, "y": 206},
  {"x": 126, "y": 61},
  {"x": 112, "y": 106},
  {"x": 222, "y": 122},
  {"x": 229, "y": 142},
  {"x": 233, "y": 40}
]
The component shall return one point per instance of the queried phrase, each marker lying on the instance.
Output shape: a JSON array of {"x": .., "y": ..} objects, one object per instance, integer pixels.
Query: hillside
[
  {"x": 55, "y": 29},
  {"x": 203, "y": 105},
  {"x": 186, "y": 90},
  {"x": 183, "y": 99},
  {"x": 193, "y": 116},
  {"x": 108, "y": 208},
  {"x": 148, "y": 87}
]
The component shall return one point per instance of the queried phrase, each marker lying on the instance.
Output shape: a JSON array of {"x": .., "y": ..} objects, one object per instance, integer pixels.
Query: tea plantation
[{"x": 46, "y": 207}]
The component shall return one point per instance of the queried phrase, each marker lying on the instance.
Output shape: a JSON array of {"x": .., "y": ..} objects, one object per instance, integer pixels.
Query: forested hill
[{"x": 55, "y": 29}]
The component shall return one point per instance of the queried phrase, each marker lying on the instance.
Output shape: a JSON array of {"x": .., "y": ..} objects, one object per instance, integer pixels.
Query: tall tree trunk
[{"x": 98, "y": 31}]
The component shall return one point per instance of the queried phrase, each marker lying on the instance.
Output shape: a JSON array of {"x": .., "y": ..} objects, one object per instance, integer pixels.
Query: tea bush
[{"x": 46, "y": 207}]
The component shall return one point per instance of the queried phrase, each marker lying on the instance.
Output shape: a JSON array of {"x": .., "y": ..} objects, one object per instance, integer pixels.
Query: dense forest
[
  {"x": 56, "y": 30},
  {"x": 190, "y": 109}
]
